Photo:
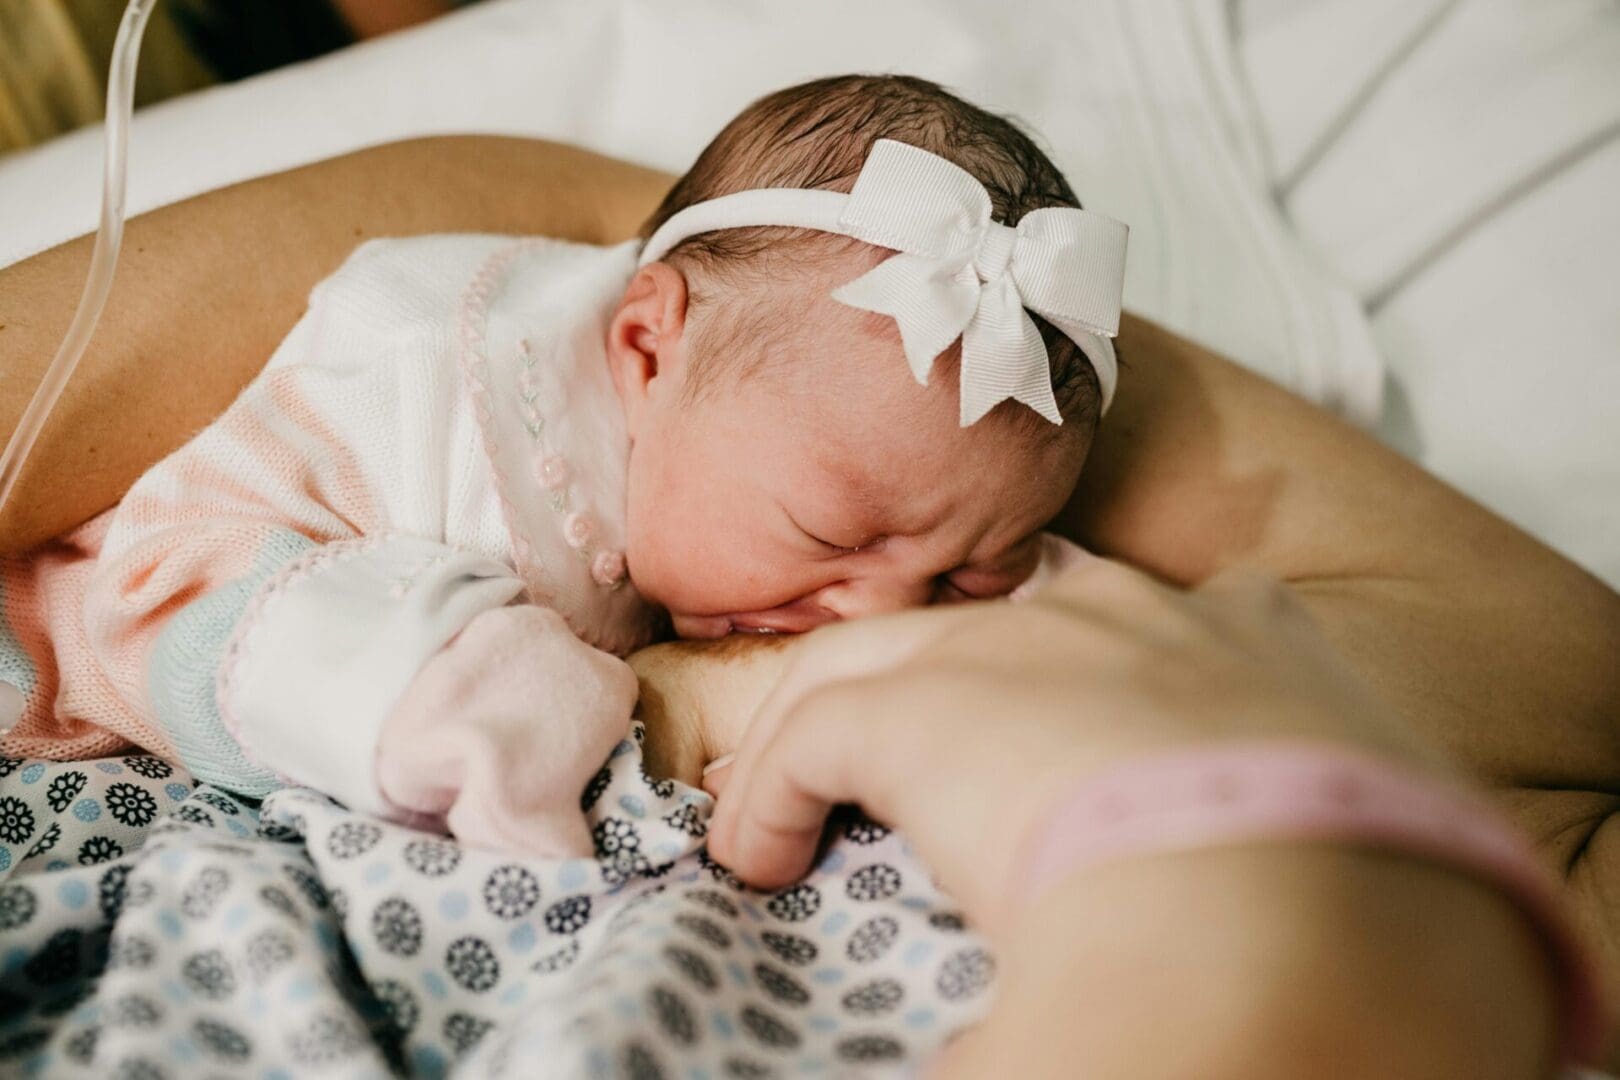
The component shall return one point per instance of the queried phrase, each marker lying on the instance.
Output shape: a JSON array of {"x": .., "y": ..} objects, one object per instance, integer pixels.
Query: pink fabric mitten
[{"x": 502, "y": 729}]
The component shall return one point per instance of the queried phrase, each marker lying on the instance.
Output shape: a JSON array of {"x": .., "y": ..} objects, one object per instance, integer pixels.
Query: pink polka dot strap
[{"x": 1270, "y": 791}]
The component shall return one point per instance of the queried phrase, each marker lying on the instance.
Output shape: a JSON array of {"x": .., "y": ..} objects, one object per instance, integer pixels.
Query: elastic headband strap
[
  {"x": 793, "y": 208},
  {"x": 957, "y": 273}
]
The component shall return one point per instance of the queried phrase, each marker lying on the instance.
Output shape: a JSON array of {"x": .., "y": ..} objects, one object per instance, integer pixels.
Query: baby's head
[{"x": 786, "y": 469}]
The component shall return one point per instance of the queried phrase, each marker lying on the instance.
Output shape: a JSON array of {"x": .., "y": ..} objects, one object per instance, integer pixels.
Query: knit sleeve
[
  {"x": 271, "y": 586},
  {"x": 324, "y": 650},
  {"x": 240, "y": 606}
]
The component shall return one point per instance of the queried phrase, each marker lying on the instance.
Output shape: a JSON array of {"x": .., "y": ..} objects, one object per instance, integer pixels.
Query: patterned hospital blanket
[{"x": 152, "y": 928}]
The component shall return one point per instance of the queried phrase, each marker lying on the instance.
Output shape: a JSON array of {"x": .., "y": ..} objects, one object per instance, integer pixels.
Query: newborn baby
[{"x": 403, "y": 567}]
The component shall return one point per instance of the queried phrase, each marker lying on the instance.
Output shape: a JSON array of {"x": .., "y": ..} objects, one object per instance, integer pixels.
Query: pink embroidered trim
[
  {"x": 608, "y": 568},
  {"x": 472, "y": 316},
  {"x": 551, "y": 470},
  {"x": 263, "y": 601},
  {"x": 578, "y": 530}
]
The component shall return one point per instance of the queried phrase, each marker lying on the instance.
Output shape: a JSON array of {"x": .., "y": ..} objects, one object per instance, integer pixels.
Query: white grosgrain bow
[{"x": 960, "y": 274}]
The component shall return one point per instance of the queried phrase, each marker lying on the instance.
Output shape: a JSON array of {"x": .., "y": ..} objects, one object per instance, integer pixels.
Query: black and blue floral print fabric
[{"x": 152, "y": 929}]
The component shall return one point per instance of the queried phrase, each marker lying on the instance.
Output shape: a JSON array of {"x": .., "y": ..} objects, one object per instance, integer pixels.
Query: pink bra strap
[{"x": 1275, "y": 790}]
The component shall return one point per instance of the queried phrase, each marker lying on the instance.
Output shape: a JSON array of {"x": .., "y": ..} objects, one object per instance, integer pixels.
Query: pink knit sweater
[{"x": 437, "y": 438}]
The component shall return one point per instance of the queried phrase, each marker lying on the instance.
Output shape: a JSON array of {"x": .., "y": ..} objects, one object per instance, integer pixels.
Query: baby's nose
[{"x": 798, "y": 617}]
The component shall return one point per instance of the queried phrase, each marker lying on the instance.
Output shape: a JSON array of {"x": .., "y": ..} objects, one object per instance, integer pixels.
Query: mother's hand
[
  {"x": 699, "y": 698},
  {"x": 968, "y": 721},
  {"x": 958, "y": 724}
]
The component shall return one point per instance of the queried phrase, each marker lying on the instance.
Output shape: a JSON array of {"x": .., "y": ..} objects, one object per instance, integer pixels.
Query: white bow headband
[{"x": 957, "y": 274}]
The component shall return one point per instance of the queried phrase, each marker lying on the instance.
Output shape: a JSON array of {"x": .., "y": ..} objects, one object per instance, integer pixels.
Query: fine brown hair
[{"x": 817, "y": 135}]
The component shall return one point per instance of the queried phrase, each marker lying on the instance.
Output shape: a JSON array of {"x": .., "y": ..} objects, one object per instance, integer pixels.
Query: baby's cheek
[
  {"x": 676, "y": 569},
  {"x": 656, "y": 535},
  {"x": 653, "y": 568},
  {"x": 709, "y": 574}
]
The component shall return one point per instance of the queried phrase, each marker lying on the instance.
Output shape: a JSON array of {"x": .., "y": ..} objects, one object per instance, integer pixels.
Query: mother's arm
[
  {"x": 1504, "y": 652},
  {"x": 1494, "y": 643},
  {"x": 208, "y": 287}
]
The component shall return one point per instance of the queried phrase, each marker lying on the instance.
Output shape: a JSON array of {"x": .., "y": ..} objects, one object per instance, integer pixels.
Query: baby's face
[{"x": 828, "y": 485}]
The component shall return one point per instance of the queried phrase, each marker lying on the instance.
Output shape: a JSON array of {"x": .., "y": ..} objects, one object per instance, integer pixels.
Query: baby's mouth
[
  {"x": 794, "y": 618},
  {"x": 791, "y": 620}
]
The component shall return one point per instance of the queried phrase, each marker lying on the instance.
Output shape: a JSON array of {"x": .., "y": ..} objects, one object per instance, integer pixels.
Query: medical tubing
[{"x": 103, "y": 260}]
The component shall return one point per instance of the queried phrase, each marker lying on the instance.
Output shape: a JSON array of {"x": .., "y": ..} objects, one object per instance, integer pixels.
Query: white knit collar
[{"x": 533, "y": 335}]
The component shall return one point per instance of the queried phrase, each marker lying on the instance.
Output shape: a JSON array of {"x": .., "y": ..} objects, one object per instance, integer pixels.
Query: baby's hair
[{"x": 817, "y": 135}]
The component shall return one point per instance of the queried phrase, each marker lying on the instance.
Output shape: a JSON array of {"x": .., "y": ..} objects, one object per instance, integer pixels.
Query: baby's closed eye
[{"x": 870, "y": 545}]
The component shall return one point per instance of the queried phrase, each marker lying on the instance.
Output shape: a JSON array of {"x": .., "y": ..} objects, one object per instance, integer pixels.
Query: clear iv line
[{"x": 103, "y": 260}]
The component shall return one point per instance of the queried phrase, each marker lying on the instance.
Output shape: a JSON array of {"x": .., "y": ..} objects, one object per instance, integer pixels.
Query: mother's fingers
[
  {"x": 775, "y": 804},
  {"x": 829, "y": 656},
  {"x": 796, "y": 758}
]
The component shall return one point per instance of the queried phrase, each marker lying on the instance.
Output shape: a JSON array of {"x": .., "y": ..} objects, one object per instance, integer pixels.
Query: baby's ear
[{"x": 644, "y": 344}]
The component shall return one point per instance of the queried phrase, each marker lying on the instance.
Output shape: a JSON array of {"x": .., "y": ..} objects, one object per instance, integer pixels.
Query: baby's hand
[{"x": 501, "y": 730}]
